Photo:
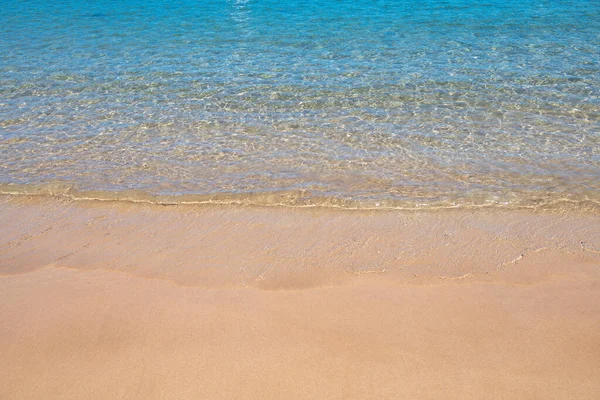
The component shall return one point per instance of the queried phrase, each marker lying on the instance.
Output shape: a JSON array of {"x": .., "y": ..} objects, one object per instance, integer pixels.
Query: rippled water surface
[{"x": 350, "y": 103}]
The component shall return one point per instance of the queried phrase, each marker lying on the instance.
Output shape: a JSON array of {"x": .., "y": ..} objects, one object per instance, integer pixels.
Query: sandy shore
[{"x": 110, "y": 300}]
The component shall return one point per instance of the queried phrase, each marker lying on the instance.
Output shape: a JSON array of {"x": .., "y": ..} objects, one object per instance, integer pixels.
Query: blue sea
[{"x": 346, "y": 103}]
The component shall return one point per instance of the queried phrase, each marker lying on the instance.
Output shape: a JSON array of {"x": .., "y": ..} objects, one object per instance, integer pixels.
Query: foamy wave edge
[{"x": 298, "y": 199}]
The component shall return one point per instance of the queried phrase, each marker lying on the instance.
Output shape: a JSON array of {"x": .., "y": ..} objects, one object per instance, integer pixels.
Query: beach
[
  {"x": 324, "y": 199},
  {"x": 125, "y": 300}
]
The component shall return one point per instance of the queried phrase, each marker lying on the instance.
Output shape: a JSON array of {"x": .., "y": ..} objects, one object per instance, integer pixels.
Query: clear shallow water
[{"x": 349, "y": 103}]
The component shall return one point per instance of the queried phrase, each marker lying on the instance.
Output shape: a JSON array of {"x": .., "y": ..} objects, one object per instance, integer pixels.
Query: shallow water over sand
[{"x": 352, "y": 104}]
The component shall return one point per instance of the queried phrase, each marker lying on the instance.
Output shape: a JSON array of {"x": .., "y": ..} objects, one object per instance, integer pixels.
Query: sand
[{"x": 113, "y": 300}]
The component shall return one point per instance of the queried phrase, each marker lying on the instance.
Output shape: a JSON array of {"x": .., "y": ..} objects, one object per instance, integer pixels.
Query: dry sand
[{"x": 110, "y": 300}]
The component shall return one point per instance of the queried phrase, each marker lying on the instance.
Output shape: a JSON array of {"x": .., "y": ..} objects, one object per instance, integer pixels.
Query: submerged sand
[{"x": 113, "y": 300}]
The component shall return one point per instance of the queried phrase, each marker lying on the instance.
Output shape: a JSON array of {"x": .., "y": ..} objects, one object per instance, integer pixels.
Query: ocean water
[{"x": 348, "y": 103}]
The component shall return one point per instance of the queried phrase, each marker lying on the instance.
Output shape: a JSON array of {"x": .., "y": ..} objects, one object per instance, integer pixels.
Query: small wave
[{"x": 306, "y": 199}]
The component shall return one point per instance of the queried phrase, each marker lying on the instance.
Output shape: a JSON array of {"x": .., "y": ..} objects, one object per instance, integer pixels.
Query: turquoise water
[{"x": 317, "y": 102}]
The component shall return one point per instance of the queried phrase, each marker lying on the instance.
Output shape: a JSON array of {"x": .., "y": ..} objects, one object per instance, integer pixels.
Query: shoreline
[
  {"x": 291, "y": 248},
  {"x": 303, "y": 199},
  {"x": 121, "y": 300}
]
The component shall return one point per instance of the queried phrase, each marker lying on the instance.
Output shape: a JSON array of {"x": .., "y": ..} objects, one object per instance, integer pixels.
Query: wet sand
[{"x": 113, "y": 300}]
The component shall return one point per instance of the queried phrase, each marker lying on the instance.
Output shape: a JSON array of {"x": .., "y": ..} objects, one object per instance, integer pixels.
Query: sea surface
[{"x": 347, "y": 103}]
